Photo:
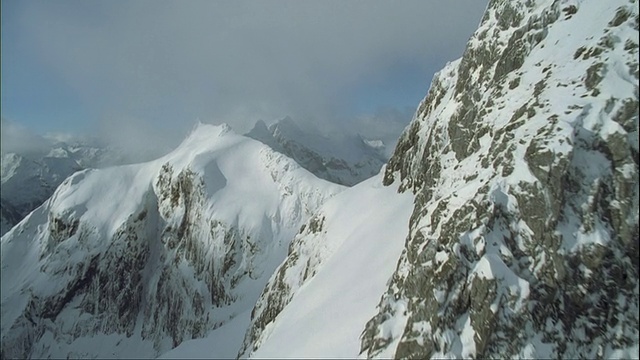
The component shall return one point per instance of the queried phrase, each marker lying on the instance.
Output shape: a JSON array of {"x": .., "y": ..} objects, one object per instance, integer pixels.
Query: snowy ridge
[
  {"x": 133, "y": 260},
  {"x": 29, "y": 178},
  {"x": 317, "y": 300},
  {"x": 28, "y": 182},
  {"x": 524, "y": 161}
]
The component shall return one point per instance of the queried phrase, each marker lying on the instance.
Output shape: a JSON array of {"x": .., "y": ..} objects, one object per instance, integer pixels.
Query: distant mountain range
[
  {"x": 341, "y": 158},
  {"x": 29, "y": 178}
]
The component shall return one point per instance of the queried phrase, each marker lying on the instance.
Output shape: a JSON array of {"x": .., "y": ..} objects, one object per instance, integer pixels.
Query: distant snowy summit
[
  {"x": 345, "y": 159},
  {"x": 29, "y": 178}
]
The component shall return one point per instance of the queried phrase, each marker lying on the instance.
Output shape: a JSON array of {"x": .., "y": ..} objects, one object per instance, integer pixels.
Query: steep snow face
[
  {"x": 342, "y": 159},
  {"x": 524, "y": 160},
  {"x": 317, "y": 302},
  {"x": 134, "y": 260}
]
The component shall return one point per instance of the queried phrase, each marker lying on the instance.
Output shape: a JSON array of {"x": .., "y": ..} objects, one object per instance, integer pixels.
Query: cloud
[
  {"x": 173, "y": 61},
  {"x": 15, "y": 138},
  {"x": 137, "y": 140},
  {"x": 384, "y": 124},
  {"x": 129, "y": 140}
]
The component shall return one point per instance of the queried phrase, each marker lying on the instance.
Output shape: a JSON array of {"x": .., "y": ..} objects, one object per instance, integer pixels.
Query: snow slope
[
  {"x": 31, "y": 175},
  {"x": 221, "y": 343},
  {"x": 133, "y": 260},
  {"x": 29, "y": 178},
  {"x": 316, "y": 303}
]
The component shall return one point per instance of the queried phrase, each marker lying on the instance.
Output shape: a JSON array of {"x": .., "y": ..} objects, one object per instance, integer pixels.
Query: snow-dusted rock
[
  {"x": 134, "y": 260},
  {"x": 524, "y": 161},
  {"x": 515, "y": 233}
]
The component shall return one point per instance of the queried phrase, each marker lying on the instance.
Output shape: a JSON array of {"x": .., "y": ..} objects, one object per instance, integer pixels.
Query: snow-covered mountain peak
[
  {"x": 203, "y": 134},
  {"x": 260, "y": 127},
  {"x": 10, "y": 163},
  {"x": 203, "y": 139},
  {"x": 505, "y": 224},
  {"x": 375, "y": 144},
  {"x": 186, "y": 242}
]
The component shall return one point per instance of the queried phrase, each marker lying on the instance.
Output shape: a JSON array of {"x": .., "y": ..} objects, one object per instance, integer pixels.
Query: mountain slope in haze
[
  {"x": 133, "y": 260},
  {"x": 27, "y": 182},
  {"x": 340, "y": 158},
  {"x": 523, "y": 242},
  {"x": 30, "y": 177}
]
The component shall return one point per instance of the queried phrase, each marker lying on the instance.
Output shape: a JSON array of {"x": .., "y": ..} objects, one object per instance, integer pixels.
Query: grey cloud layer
[{"x": 239, "y": 61}]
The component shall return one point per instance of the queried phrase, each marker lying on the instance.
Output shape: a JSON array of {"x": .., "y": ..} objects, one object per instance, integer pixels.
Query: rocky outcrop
[
  {"x": 304, "y": 256},
  {"x": 151, "y": 255},
  {"x": 524, "y": 161}
]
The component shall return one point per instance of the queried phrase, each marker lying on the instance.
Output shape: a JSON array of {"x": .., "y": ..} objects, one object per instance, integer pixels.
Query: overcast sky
[{"x": 93, "y": 66}]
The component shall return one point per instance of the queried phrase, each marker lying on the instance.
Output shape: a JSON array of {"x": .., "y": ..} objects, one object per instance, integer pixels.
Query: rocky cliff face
[
  {"x": 134, "y": 260},
  {"x": 523, "y": 159}
]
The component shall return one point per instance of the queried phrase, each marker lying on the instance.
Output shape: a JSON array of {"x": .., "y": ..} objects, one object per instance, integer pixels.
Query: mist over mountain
[
  {"x": 33, "y": 165},
  {"x": 341, "y": 158},
  {"x": 503, "y": 225}
]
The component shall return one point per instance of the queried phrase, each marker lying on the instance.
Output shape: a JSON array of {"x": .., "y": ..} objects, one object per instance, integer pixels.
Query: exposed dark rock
[{"x": 552, "y": 217}]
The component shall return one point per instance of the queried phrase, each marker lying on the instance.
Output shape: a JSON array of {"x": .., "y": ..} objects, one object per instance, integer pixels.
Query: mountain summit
[{"x": 133, "y": 260}]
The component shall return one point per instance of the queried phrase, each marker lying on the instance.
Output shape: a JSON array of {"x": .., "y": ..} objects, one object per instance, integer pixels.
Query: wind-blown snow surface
[
  {"x": 134, "y": 260},
  {"x": 317, "y": 302}
]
